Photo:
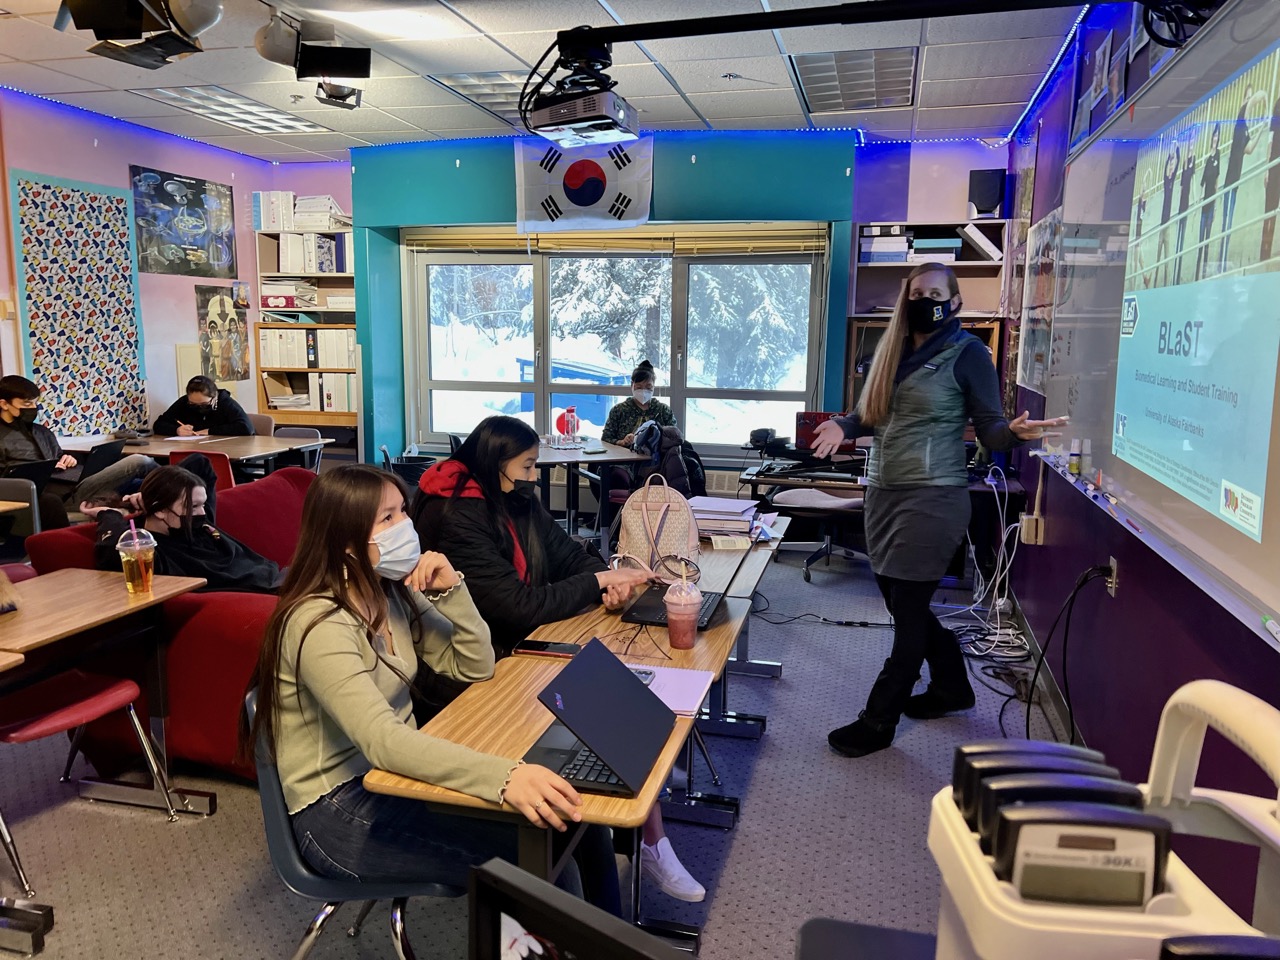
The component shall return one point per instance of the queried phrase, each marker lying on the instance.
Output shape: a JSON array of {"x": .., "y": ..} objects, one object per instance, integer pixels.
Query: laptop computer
[
  {"x": 98, "y": 459},
  {"x": 37, "y": 471},
  {"x": 649, "y": 608},
  {"x": 807, "y": 423},
  {"x": 609, "y": 729}
]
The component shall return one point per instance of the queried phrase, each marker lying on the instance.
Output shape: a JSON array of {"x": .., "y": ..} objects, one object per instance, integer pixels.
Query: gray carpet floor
[{"x": 819, "y": 835}]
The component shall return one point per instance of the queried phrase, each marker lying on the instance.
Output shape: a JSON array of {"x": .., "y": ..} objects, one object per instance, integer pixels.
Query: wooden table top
[
  {"x": 66, "y": 602},
  {"x": 502, "y": 716},
  {"x": 237, "y": 448},
  {"x": 549, "y": 457},
  {"x": 10, "y": 660},
  {"x": 10, "y": 506},
  {"x": 754, "y": 564}
]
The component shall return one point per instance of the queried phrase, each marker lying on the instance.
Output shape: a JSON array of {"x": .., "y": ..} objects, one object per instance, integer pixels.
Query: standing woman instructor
[{"x": 928, "y": 379}]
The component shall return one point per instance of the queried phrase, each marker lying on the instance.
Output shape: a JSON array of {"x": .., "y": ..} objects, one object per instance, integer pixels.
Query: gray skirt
[{"x": 913, "y": 533}]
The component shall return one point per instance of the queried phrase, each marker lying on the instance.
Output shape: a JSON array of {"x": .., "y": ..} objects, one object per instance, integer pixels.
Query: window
[{"x": 733, "y": 339}]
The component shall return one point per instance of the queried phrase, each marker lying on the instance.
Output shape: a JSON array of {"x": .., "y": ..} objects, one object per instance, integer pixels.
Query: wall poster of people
[
  {"x": 222, "y": 332},
  {"x": 185, "y": 226}
]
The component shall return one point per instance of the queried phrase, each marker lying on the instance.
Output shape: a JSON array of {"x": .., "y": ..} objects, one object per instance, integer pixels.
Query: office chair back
[
  {"x": 264, "y": 425},
  {"x": 100, "y": 457},
  {"x": 307, "y": 459},
  {"x": 21, "y": 490},
  {"x": 220, "y": 462},
  {"x": 455, "y": 443},
  {"x": 37, "y": 471}
]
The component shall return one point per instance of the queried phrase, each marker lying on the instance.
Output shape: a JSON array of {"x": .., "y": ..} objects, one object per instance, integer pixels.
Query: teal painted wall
[{"x": 697, "y": 176}]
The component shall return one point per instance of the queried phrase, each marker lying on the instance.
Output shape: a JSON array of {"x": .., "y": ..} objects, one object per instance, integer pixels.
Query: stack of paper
[
  {"x": 319, "y": 213},
  {"x": 285, "y": 294},
  {"x": 722, "y": 515},
  {"x": 681, "y": 690}
]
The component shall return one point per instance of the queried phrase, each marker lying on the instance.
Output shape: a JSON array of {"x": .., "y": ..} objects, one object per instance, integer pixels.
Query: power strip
[{"x": 1031, "y": 529}]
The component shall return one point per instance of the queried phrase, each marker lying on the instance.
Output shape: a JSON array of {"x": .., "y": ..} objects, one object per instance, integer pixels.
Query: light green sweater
[{"x": 342, "y": 711}]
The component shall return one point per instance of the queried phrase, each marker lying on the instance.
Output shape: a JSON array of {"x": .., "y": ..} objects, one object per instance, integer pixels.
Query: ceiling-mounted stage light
[
  {"x": 314, "y": 61},
  {"x": 193, "y": 17},
  {"x": 277, "y": 41},
  {"x": 337, "y": 95},
  {"x": 162, "y": 29}
]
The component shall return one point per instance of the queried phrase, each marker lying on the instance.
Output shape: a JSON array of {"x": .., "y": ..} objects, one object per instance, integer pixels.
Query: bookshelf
[
  {"x": 875, "y": 286},
  {"x": 324, "y": 257}
]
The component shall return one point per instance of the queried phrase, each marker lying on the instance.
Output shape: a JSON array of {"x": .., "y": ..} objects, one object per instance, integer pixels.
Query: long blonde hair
[{"x": 873, "y": 404}]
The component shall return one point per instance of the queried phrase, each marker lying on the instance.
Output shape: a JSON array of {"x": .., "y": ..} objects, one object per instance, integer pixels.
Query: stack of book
[
  {"x": 722, "y": 515},
  {"x": 273, "y": 210},
  {"x": 931, "y": 250},
  {"x": 320, "y": 213},
  {"x": 287, "y": 294},
  {"x": 884, "y": 244},
  {"x": 308, "y": 346},
  {"x": 314, "y": 253}
]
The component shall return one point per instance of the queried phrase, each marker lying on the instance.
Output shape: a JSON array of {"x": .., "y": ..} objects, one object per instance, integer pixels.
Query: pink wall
[{"x": 45, "y": 137}]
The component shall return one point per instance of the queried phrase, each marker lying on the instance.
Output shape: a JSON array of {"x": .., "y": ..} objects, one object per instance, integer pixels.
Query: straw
[{"x": 133, "y": 530}]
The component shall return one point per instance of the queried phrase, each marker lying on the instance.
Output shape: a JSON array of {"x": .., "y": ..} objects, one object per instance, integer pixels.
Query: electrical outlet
[
  {"x": 1113, "y": 577},
  {"x": 1031, "y": 529}
]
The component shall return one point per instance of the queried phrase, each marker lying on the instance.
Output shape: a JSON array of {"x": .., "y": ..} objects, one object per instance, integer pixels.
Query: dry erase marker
[
  {"x": 1272, "y": 626},
  {"x": 1132, "y": 524}
]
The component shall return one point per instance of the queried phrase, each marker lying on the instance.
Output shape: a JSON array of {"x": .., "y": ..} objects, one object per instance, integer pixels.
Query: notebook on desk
[{"x": 609, "y": 729}]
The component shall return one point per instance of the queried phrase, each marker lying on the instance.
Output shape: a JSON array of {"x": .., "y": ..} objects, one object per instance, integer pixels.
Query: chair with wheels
[
  {"x": 26, "y": 523},
  {"x": 834, "y": 510},
  {"x": 221, "y": 466},
  {"x": 297, "y": 875},
  {"x": 67, "y": 702},
  {"x": 307, "y": 458}
]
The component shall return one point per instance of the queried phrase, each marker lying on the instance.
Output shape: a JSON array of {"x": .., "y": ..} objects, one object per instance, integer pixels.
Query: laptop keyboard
[
  {"x": 586, "y": 767},
  {"x": 709, "y": 601}
]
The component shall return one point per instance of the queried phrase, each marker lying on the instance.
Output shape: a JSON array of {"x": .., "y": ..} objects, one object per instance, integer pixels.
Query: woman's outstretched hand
[{"x": 1025, "y": 429}]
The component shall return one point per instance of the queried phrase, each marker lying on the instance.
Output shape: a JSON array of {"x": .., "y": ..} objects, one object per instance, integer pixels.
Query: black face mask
[
  {"x": 927, "y": 315},
  {"x": 28, "y": 415},
  {"x": 524, "y": 489}
]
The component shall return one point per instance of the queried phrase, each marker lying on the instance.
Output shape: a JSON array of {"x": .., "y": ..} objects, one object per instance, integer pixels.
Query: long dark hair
[
  {"x": 491, "y": 444},
  {"x": 331, "y": 562},
  {"x": 165, "y": 486}
]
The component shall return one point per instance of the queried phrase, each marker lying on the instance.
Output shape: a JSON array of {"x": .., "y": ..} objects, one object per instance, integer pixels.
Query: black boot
[
  {"x": 861, "y": 737},
  {"x": 933, "y": 704}
]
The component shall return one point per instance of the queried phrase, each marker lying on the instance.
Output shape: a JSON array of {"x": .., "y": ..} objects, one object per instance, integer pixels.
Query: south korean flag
[{"x": 602, "y": 187}]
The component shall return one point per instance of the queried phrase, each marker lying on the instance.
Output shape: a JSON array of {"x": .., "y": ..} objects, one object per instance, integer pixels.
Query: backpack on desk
[{"x": 656, "y": 522}]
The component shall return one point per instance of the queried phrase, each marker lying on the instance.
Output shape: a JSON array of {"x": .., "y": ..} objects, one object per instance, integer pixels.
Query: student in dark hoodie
[
  {"x": 177, "y": 505},
  {"x": 204, "y": 411},
  {"x": 480, "y": 509}
]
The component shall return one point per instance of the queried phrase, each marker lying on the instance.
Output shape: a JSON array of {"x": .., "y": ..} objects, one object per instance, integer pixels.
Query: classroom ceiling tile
[
  {"x": 407, "y": 92},
  {"x": 960, "y": 93},
  {"x": 662, "y": 108},
  {"x": 767, "y": 103},
  {"x": 530, "y": 45},
  {"x": 30, "y": 40},
  {"x": 187, "y": 125},
  {"x": 451, "y": 117},
  {"x": 461, "y": 55},
  {"x": 119, "y": 103},
  {"x": 410, "y": 136},
  {"x": 749, "y": 74},
  {"x": 245, "y": 143},
  {"x": 319, "y": 141},
  {"x": 675, "y": 125},
  {"x": 641, "y": 80},
  {"x": 795, "y": 122},
  {"x": 114, "y": 75},
  {"x": 951, "y": 118},
  {"x": 373, "y": 21},
  {"x": 493, "y": 18},
  {"x": 467, "y": 133},
  {"x": 857, "y": 79},
  {"x": 658, "y": 11},
  {"x": 287, "y": 95},
  {"x": 1007, "y": 26},
  {"x": 857, "y": 36},
  {"x": 216, "y": 66},
  {"x": 384, "y": 68},
  {"x": 723, "y": 46},
  {"x": 964, "y": 61},
  {"x": 28, "y": 7},
  {"x": 873, "y": 121},
  {"x": 303, "y": 156},
  {"x": 355, "y": 122},
  {"x": 38, "y": 79}
]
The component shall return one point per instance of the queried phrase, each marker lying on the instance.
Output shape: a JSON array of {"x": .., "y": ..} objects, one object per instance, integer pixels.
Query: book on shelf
[
  {"x": 937, "y": 243},
  {"x": 272, "y": 210},
  {"x": 978, "y": 240},
  {"x": 931, "y": 256},
  {"x": 883, "y": 230},
  {"x": 882, "y": 256},
  {"x": 309, "y": 346}
]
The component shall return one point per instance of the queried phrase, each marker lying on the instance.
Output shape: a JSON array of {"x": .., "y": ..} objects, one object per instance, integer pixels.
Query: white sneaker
[{"x": 660, "y": 864}]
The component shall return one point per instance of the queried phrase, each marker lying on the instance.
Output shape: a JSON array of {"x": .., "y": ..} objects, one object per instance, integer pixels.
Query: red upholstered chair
[
  {"x": 220, "y": 462},
  {"x": 68, "y": 702}
]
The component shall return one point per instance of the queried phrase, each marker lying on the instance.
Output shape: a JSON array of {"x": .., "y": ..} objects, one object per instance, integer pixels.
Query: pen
[
  {"x": 1112, "y": 511},
  {"x": 1132, "y": 524}
]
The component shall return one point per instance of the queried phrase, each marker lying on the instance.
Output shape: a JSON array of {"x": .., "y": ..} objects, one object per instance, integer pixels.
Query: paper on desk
[
  {"x": 680, "y": 689},
  {"x": 195, "y": 439},
  {"x": 763, "y": 529}
]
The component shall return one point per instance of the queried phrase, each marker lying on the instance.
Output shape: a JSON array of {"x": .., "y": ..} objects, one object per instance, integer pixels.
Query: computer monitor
[{"x": 510, "y": 907}]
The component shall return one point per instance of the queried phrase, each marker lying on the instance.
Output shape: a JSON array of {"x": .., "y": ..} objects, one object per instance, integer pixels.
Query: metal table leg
[
  {"x": 691, "y": 806},
  {"x": 741, "y": 662},
  {"x": 718, "y": 720}
]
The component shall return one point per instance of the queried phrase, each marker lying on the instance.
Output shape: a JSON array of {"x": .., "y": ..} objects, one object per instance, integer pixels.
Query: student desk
[
  {"x": 68, "y": 614},
  {"x": 262, "y": 450},
  {"x": 503, "y": 716},
  {"x": 572, "y": 460},
  {"x": 9, "y": 661}
]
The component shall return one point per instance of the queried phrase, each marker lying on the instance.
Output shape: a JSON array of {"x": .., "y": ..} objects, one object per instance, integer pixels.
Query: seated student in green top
[
  {"x": 178, "y": 506},
  {"x": 22, "y": 440},
  {"x": 480, "y": 509},
  {"x": 359, "y": 606},
  {"x": 626, "y": 417},
  {"x": 204, "y": 411}
]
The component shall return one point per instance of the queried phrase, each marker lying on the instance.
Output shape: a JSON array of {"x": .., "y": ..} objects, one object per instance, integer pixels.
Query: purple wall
[{"x": 1128, "y": 654}]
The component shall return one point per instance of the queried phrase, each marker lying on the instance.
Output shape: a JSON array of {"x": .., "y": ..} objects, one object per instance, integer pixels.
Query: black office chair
[
  {"x": 455, "y": 443},
  {"x": 297, "y": 875},
  {"x": 16, "y": 527}
]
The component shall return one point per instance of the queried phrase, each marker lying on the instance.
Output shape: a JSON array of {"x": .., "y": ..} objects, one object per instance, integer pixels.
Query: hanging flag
[{"x": 602, "y": 187}]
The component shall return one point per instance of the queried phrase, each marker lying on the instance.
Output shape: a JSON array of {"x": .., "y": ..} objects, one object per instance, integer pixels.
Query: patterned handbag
[{"x": 656, "y": 522}]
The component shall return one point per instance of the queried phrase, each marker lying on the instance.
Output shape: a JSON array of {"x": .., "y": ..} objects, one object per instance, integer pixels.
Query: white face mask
[
  {"x": 398, "y": 550},
  {"x": 642, "y": 396}
]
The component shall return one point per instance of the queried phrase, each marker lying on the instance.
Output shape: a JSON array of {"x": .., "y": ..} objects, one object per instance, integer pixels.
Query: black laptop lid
[
  {"x": 610, "y": 710},
  {"x": 37, "y": 471}
]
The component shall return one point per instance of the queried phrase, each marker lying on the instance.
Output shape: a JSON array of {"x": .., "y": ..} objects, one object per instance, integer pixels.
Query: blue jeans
[
  {"x": 1228, "y": 217},
  {"x": 352, "y": 834}
]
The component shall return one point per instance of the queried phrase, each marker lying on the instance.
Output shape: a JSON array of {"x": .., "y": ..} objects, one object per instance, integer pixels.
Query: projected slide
[{"x": 1200, "y": 327}]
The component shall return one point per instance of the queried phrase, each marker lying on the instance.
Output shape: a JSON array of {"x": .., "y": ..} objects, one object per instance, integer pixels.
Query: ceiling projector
[{"x": 578, "y": 118}]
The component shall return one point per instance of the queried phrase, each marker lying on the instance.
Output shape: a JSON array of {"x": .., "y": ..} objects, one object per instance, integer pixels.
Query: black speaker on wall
[{"x": 986, "y": 193}]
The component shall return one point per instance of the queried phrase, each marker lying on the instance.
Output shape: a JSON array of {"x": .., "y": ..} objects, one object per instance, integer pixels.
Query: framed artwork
[
  {"x": 1038, "y": 303},
  {"x": 1116, "y": 78},
  {"x": 1101, "y": 64},
  {"x": 1080, "y": 121},
  {"x": 1138, "y": 36},
  {"x": 186, "y": 226},
  {"x": 222, "y": 331}
]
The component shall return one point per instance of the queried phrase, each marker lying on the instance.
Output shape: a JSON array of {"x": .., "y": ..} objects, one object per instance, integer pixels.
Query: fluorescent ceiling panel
[
  {"x": 498, "y": 91},
  {"x": 857, "y": 79},
  {"x": 216, "y": 103}
]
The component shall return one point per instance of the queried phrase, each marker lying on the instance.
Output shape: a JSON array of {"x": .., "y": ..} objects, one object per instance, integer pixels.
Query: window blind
[{"x": 734, "y": 239}]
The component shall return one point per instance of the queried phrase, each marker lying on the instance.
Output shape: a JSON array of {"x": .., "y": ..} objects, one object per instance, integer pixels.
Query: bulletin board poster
[
  {"x": 1200, "y": 323},
  {"x": 1036, "y": 339},
  {"x": 222, "y": 333},
  {"x": 1023, "y": 164},
  {"x": 186, "y": 226},
  {"x": 78, "y": 302}
]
